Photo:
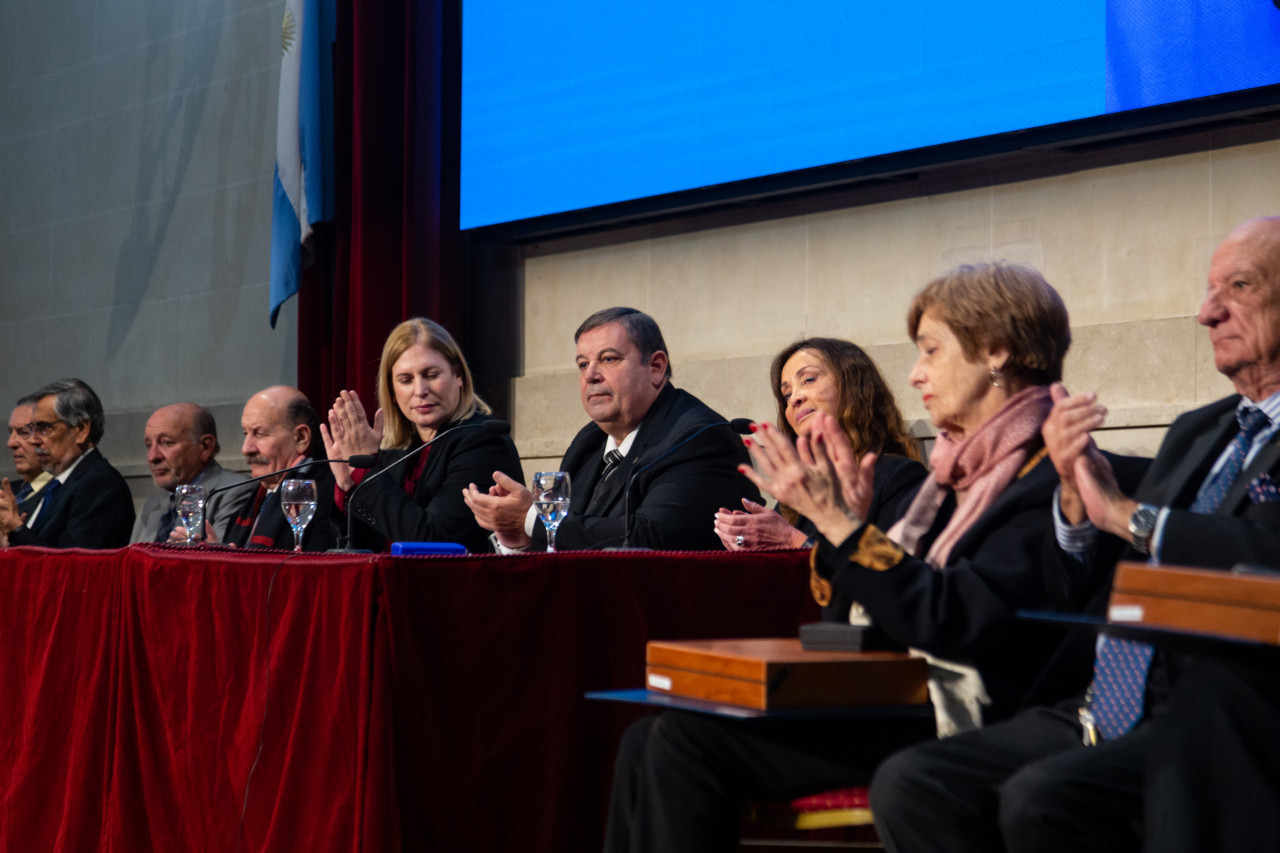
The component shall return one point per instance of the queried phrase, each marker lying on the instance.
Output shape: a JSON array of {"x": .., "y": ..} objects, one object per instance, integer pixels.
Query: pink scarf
[{"x": 979, "y": 469}]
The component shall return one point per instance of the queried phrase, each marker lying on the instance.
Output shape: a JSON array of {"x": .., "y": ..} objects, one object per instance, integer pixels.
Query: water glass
[
  {"x": 188, "y": 501},
  {"x": 298, "y": 501},
  {"x": 551, "y": 498}
]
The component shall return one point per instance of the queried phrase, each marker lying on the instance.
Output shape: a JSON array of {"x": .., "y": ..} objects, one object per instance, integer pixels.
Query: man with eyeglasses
[
  {"x": 25, "y": 460},
  {"x": 87, "y": 504}
]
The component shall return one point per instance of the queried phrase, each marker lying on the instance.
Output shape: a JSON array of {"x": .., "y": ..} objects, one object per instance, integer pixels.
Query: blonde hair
[{"x": 397, "y": 430}]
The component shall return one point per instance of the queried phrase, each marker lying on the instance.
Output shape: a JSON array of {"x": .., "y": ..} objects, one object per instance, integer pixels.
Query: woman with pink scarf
[{"x": 946, "y": 578}]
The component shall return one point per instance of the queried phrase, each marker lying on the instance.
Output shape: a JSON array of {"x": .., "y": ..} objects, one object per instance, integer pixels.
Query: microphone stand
[
  {"x": 738, "y": 425},
  {"x": 493, "y": 426}
]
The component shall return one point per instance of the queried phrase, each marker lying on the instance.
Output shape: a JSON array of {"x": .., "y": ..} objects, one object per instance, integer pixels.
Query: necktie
[
  {"x": 167, "y": 522},
  {"x": 1120, "y": 670},
  {"x": 46, "y": 503},
  {"x": 24, "y": 491},
  {"x": 598, "y": 495}
]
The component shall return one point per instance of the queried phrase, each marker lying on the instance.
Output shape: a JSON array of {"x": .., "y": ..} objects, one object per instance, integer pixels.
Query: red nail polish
[{"x": 752, "y": 427}]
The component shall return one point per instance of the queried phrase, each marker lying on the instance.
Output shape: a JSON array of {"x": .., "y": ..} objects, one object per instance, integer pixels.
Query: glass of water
[
  {"x": 298, "y": 500},
  {"x": 551, "y": 498},
  {"x": 189, "y": 503}
]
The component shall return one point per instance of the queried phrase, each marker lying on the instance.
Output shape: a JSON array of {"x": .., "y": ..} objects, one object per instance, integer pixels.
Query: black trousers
[
  {"x": 1213, "y": 776},
  {"x": 1025, "y": 784},
  {"x": 681, "y": 779}
]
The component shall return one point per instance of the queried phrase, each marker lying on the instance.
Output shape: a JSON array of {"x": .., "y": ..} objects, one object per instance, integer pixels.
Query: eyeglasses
[{"x": 43, "y": 428}]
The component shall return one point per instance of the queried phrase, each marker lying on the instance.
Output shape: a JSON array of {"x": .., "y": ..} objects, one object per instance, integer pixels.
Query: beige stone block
[
  {"x": 730, "y": 292},
  {"x": 1210, "y": 384},
  {"x": 548, "y": 413},
  {"x": 560, "y": 291},
  {"x": 1138, "y": 364},
  {"x": 865, "y": 264},
  {"x": 1122, "y": 243},
  {"x": 734, "y": 387},
  {"x": 1246, "y": 185}
]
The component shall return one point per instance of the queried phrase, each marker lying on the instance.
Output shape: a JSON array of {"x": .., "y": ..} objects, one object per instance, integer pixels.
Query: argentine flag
[{"x": 304, "y": 141}]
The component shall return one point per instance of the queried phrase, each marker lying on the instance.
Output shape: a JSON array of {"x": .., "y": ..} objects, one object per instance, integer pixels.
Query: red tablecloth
[{"x": 162, "y": 699}]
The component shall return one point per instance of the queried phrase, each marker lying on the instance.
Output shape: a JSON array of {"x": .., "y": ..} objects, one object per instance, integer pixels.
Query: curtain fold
[{"x": 394, "y": 249}]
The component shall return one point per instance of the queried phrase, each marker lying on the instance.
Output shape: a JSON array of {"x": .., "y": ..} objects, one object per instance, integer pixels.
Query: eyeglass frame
[{"x": 44, "y": 428}]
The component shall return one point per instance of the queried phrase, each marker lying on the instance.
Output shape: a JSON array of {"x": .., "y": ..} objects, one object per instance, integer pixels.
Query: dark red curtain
[{"x": 394, "y": 250}]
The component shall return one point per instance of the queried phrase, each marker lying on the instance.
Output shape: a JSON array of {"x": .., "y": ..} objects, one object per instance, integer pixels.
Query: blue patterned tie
[
  {"x": 1120, "y": 670},
  {"x": 24, "y": 491}
]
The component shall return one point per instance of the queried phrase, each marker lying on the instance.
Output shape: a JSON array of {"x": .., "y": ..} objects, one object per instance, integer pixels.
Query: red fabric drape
[
  {"x": 340, "y": 702},
  {"x": 394, "y": 249}
]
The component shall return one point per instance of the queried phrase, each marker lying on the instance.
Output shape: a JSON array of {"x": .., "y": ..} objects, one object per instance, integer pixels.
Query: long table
[{"x": 160, "y": 698}]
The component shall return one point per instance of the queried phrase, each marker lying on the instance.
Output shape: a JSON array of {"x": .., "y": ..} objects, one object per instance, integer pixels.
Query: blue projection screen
[{"x": 569, "y": 105}]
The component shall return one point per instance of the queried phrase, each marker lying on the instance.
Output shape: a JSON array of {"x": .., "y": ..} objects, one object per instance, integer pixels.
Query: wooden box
[
  {"x": 1243, "y": 606},
  {"x": 771, "y": 674}
]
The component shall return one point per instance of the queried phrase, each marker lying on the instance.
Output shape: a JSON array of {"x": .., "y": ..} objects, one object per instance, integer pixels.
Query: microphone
[
  {"x": 492, "y": 426},
  {"x": 738, "y": 425},
  {"x": 361, "y": 460}
]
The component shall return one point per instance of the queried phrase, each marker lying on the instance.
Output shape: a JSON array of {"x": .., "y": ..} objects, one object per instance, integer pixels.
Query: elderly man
[
  {"x": 25, "y": 459},
  {"x": 649, "y": 470},
  {"x": 87, "y": 503},
  {"x": 280, "y": 430},
  {"x": 1073, "y": 777},
  {"x": 181, "y": 442}
]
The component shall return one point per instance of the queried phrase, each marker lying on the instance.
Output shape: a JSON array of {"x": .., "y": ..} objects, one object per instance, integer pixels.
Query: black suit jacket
[
  {"x": 967, "y": 612},
  {"x": 321, "y": 534},
  {"x": 92, "y": 509},
  {"x": 673, "y": 498},
  {"x": 896, "y": 479},
  {"x": 1238, "y": 531},
  {"x": 436, "y": 512}
]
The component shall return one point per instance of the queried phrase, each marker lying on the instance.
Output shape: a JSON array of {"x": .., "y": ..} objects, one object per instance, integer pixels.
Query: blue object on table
[{"x": 425, "y": 549}]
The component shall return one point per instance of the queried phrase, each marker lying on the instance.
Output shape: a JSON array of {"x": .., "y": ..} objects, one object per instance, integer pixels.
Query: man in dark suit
[
  {"x": 25, "y": 459},
  {"x": 181, "y": 442},
  {"x": 1075, "y": 777},
  {"x": 652, "y": 467},
  {"x": 87, "y": 504},
  {"x": 281, "y": 429}
]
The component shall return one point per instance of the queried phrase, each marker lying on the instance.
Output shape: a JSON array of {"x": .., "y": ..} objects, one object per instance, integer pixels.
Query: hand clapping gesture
[
  {"x": 348, "y": 434},
  {"x": 818, "y": 477}
]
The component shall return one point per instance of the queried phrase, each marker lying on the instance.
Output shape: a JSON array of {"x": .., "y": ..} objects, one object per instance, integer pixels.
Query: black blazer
[
  {"x": 436, "y": 513},
  {"x": 321, "y": 534},
  {"x": 1238, "y": 531},
  {"x": 896, "y": 479},
  {"x": 967, "y": 613},
  {"x": 674, "y": 498},
  {"x": 93, "y": 509}
]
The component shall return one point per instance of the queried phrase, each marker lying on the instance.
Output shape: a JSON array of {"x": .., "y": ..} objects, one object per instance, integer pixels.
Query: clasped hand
[
  {"x": 348, "y": 434},
  {"x": 819, "y": 477},
  {"x": 1088, "y": 484}
]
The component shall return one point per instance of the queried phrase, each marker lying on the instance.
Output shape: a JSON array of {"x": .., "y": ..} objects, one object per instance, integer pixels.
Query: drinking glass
[
  {"x": 189, "y": 503},
  {"x": 551, "y": 497},
  {"x": 298, "y": 500}
]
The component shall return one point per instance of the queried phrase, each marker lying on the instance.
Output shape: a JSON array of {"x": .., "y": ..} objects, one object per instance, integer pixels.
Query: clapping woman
[
  {"x": 946, "y": 578},
  {"x": 425, "y": 393},
  {"x": 832, "y": 377}
]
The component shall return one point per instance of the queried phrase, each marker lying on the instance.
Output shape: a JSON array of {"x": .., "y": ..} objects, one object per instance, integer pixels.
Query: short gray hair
[{"x": 75, "y": 403}]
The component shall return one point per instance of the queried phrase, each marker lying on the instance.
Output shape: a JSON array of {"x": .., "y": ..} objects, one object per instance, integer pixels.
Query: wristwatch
[{"x": 1141, "y": 525}]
